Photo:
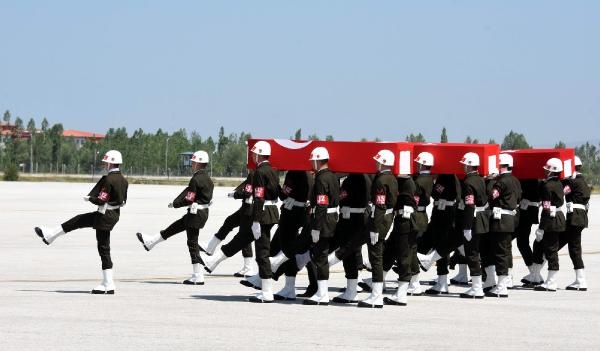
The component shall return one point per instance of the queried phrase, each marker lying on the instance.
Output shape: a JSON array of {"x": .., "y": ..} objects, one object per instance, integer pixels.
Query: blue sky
[{"x": 348, "y": 68}]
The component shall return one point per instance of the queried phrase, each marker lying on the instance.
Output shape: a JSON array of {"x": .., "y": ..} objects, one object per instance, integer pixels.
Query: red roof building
[{"x": 80, "y": 137}]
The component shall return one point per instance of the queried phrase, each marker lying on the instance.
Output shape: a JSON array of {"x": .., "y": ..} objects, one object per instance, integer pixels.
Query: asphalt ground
[{"x": 45, "y": 301}]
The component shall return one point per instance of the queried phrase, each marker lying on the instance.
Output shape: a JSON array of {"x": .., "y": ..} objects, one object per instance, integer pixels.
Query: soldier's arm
[
  {"x": 378, "y": 199},
  {"x": 103, "y": 195},
  {"x": 259, "y": 186},
  {"x": 187, "y": 196},
  {"x": 469, "y": 211},
  {"x": 321, "y": 205},
  {"x": 546, "y": 202}
]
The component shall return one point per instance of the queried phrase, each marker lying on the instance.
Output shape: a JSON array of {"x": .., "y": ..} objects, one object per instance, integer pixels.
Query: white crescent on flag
[{"x": 292, "y": 145}]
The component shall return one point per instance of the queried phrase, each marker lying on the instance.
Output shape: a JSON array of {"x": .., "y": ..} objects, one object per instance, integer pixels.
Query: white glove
[
  {"x": 315, "y": 234},
  {"x": 374, "y": 237},
  {"x": 86, "y": 198},
  {"x": 539, "y": 234},
  {"x": 468, "y": 235},
  {"x": 170, "y": 205},
  {"x": 230, "y": 194},
  {"x": 256, "y": 230},
  {"x": 194, "y": 208}
]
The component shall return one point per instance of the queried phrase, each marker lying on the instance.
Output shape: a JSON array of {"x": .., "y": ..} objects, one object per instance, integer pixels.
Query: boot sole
[
  {"x": 488, "y": 294},
  {"x": 368, "y": 305},
  {"x": 139, "y": 236},
  {"x": 204, "y": 250},
  {"x": 315, "y": 303},
  {"x": 307, "y": 294},
  {"x": 414, "y": 294},
  {"x": 457, "y": 283},
  {"x": 575, "y": 289},
  {"x": 239, "y": 275},
  {"x": 257, "y": 300},
  {"x": 283, "y": 298},
  {"x": 248, "y": 284},
  {"x": 364, "y": 286},
  {"x": 539, "y": 288},
  {"x": 435, "y": 292},
  {"x": 388, "y": 301},
  {"x": 39, "y": 233},
  {"x": 188, "y": 282},
  {"x": 343, "y": 301},
  {"x": 467, "y": 296},
  {"x": 102, "y": 292}
]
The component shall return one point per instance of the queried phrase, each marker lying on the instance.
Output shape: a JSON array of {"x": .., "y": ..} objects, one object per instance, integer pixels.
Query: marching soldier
[
  {"x": 294, "y": 194},
  {"x": 402, "y": 238},
  {"x": 486, "y": 242},
  {"x": 324, "y": 201},
  {"x": 445, "y": 192},
  {"x": 197, "y": 198},
  {"x": 528, "y": 216},
  {"x": 424, "y": 182},
  {"x": 257, "y": 221},
  {"x": 505, "y": 197},
  {"x": 552, "y": 220},
  {"x": 354, "y": 199},
  {"x": 384, "y": 192},
  {"x": 109, "y": 194},
  {"x": 474, "y": 221},
  {"x": 231, "y": 222},
  {"x": 577, "y": 194}
]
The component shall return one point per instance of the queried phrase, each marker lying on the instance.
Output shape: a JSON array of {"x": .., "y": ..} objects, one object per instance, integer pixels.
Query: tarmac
[{"x": 45, "y": 301}]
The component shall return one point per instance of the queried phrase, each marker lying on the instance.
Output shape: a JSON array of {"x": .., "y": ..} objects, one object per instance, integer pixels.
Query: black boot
[{"x": 312, "y": 281}]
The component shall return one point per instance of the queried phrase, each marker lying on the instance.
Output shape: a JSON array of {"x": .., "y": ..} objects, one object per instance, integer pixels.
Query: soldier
[
  {"x": 486, "y": 242},
  {"x": 474, "y": 221},
  {"x": 505, "y": 197},
  {"x": 197, "y": 197},
  {"x": 324, "y": 201},
  {"x": 294, "y": 194},
  {"x": 528, "y": 216},
  {"x": 109, "y": 194},
  {"x": 552, "y": 220},
  {"x": 231, "y": 222},
  {"x": 577, "y": 194},
  {"x": 402, "y": 238},
  {"x": 445, "y": 193},
  {"x": 257, "y": 221},
  {"x": 384, "y": 192},
  {"x": 424, "y": 182},
  {"x": 352, "y": 224}
]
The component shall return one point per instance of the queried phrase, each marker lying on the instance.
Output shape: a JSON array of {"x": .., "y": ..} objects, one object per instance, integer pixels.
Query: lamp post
[{"x": 166, "y": 157}]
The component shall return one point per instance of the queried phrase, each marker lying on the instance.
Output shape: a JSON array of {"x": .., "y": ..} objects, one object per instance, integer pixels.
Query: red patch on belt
[
  {"x": 103, "y": 196},
  {"x": 495, "y": 193},
  {"x": 248, "y": 188},
  {"x": 470, "y": 200},
  {"x": 322, "y": 200},
  {"x": 259, "y": 192},
  {"x": 380, "y": 199},
  {"x": 190, "y": 196},
  {"x": 567, "y": 190}
]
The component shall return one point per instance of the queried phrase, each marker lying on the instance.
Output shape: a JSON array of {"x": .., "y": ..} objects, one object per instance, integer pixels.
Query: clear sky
[{"x": 348, "y": 68}]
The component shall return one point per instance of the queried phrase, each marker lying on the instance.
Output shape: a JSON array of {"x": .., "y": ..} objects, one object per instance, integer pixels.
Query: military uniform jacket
[
  {"x": 474, "y": 194},
  {"x": 424, "y": 183},
  {"x": 531, "y": 192},
  {"x": 506, "y": 195},
  {"x": 447, "y": 187},
  {"x": 296, "y": 186},
  {"x": 406, "y": 198},
  {"x": 265, "y": 186},
  {"x": 354, "y": 193},
  {"x": 384, "y": 194},
  {"x": 325, "y": 195},
  {"x": 200, "y": 191},
  {"x": 578, "y": 192},
  {"x": 112, "y": 190},
  {"x": 552, "y": 195}
]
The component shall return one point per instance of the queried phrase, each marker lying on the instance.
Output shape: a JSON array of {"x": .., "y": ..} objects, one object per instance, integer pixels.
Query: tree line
[{"x": 158, "y": 153}]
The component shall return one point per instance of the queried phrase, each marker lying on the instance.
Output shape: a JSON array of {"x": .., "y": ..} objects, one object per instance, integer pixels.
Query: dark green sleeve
[{"x": 321, "y": 205}]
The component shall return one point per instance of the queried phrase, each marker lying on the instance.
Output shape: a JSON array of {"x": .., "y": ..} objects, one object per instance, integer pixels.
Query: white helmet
[
  {"x": 554, "y": 165},
  {"x": 506, "y": 159},
  {"x": 200, "y": 157},
  {"x": 470, "y": 159},
  {"x": 318, "y": 154},
  {"x": 262, "y": 148},
  {"x": 385, "y": 157},
  {"x": 425, "y": 159},
  {"x": 577, "y": 161},
  {"x": 113, "y": 156},
  {"x": 493, "y": 171}
]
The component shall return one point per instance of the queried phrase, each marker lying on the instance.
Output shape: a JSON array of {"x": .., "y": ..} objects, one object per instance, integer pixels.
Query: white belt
[
  {"x": 405, "y": 212},
  {"x": 498, "y": 212},
  {"x": 421, "y": 208},
  {"x": 102, "y": 209},
  {"x": 526, "y": 203},
  {"x": 571, "y": 206},
  {"x": 442, "y": 203},
  {"x": 346, "y": 211},
  {"x": 480, "y": 209},
  {"x": 196, "y": 206},
  {"x": 269, "y": 203},
  {"x": 329, "y": 210},
  {"x": 289, "y": 203}
]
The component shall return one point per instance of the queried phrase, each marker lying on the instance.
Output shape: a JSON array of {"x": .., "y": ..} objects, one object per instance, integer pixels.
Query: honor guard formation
[{"x": 324, "y": 218}]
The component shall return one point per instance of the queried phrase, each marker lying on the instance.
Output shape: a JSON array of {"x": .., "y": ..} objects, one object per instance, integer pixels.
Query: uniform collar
[
  {"x": 472, "y": 173},
  {"x": 424, "y": 172},
  {"x": 506, "y": 172},
  {"x": 114, "y": 170},
  {"x": 385, "y": 171},
  {"x": 322, "y": 170},
  {"x": 262, "y": 163}
]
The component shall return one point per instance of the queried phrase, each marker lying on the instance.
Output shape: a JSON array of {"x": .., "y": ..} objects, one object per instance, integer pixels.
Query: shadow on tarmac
[{"x": 61, "y": 291}]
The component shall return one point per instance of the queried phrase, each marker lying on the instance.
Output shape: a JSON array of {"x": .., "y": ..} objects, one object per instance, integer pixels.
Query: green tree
[
  {"x": 298, "y": 134},
  {"x": 45, "y": 124},
  {"x": 419, "y": 138},
  {"x": 18, "y": 123},
  {"x": 313, "y": 136},
  {"x": 514, "y": 141},
  {"x": 329, "y": 137},
  {"x": 6, "y": 117},
  {"x": 31, "y": 125},
  {"x": 560, "y": 145},
  {"x": 444, "y": 136}
]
